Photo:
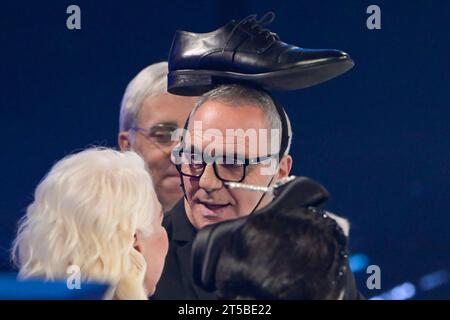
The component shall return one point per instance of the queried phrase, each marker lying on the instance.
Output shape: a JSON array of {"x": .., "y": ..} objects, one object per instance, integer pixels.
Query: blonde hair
[{"x": 86, "y": 212}]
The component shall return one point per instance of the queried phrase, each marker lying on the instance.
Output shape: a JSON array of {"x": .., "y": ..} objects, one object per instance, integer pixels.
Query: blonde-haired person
[{"x": 98, "y": 210}]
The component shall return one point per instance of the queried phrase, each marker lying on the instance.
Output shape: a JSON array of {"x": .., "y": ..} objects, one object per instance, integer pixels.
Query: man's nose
[{"x": 209, "y": 181}]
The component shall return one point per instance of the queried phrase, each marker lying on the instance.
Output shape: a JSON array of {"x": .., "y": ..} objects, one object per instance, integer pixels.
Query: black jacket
[{"x": 176, "y": 282}]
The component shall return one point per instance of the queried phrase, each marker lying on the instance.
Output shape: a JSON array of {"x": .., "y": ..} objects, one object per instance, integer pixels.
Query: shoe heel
[{"x": 188, "y": 83}]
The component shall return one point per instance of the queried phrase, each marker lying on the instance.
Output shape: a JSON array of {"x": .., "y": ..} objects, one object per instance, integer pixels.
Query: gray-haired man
[
  {"x": 148, "y": 117},
  {"x": 207, "y": 199}
]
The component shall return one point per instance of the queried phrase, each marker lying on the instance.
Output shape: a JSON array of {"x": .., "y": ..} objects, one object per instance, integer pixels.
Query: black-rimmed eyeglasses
[{"x": 227, "y": 169}]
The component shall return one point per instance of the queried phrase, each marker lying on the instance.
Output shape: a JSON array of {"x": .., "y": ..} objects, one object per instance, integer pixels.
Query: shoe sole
[{"x": 197, "y": 82}]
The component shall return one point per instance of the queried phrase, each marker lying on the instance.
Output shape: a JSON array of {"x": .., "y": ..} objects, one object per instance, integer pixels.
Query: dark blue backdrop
[{"x": 378, "y": 137}]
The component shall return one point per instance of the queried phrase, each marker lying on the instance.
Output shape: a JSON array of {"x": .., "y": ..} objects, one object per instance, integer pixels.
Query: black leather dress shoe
[{"x": 246, "y": 52}]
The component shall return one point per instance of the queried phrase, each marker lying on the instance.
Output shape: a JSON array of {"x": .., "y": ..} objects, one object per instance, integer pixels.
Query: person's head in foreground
[
  {"x": 299, "y": 254},
  {"x": 230, "y": 123},
  {"x": 149, "y": 115},
  {"x": 98, "y": 210}
]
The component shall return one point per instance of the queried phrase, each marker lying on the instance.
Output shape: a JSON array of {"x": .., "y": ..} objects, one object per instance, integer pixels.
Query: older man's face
[
  {"x": 208, "y": 201},
  {"x": 163, "y": 109}
]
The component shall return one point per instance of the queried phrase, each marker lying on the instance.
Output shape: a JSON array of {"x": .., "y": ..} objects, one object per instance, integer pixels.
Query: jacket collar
[{"x": 182, "y": 229}]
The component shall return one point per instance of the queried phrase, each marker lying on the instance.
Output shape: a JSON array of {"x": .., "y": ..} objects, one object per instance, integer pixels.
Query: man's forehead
[
  {"x": 227, "y": 135},
  {"x": 165, "y": 108},
  {"x": 217, "y": 125},
  {"x": 221, "y": 115},
  {"x": 235, "y": 141}
]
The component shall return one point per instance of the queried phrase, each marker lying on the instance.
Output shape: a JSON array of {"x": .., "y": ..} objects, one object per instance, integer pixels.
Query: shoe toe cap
[{"x": 300, "y": 56}]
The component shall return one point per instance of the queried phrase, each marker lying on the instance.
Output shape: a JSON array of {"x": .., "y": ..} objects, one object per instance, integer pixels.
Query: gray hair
[
  {"x": 238, "y": 95},
  {"x": 150, "y": 82}
]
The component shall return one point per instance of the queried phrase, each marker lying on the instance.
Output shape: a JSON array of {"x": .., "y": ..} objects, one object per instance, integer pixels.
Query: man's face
[
  {"x": 208, "y": 201},
  {"x": 162, "y": 109}
]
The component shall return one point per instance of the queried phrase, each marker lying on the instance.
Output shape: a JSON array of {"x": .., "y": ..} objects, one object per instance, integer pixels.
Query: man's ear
[
  {"x": 124, "y": 141},
  {"x": 285, "y": 166}
]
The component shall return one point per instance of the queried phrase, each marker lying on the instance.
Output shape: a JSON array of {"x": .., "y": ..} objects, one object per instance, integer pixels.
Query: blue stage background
[{"x": 377, "y": 137}]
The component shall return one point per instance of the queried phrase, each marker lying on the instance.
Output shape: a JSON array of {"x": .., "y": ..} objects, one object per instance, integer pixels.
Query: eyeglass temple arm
[{"x": 251, "y": 187}]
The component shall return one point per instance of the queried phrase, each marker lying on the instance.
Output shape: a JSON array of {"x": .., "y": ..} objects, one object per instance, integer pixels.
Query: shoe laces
[{"x": 256, "y": 26}]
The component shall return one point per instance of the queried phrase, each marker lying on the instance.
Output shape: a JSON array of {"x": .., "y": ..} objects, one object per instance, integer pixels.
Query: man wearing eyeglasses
[
  {"x": 149, "y": 115},
  {"x": 223, "y": 149},
  {"x": 208, "y": 160}
]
